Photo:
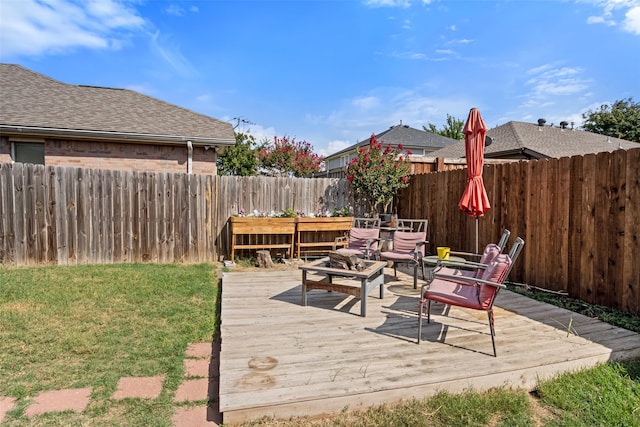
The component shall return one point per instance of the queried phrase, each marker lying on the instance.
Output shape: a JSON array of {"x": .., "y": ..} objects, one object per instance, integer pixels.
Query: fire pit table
[{"x": 371, "y": 276}]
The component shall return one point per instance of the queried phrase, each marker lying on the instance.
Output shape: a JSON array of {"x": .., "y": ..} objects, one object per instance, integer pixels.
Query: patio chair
[
  {"x": 408, "y": 248},
  {"x": 477, "y": 293},
  {"x": 362, "y": 242}
]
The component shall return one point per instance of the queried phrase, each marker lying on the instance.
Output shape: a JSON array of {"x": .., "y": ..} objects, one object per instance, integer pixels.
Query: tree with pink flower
[
  {"x": 378, "y": 173},
  {"x": 288, "y": 157}
]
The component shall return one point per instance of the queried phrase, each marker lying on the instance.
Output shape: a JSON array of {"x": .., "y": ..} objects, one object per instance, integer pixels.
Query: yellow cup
[{"x": 443, "y": 252}]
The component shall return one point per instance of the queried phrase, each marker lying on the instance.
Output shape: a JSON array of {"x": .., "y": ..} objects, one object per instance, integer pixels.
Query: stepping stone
[
  {"x": 200, "y": 350},
  {"x": 139, "y": 387},
  {"x": 72, "y": 399},
  {"x": 191, "y": 390},
  {"x": 199, "y": 368},
  {"x": 6, "y": 405},
  {"x": 197, "y": 416}
]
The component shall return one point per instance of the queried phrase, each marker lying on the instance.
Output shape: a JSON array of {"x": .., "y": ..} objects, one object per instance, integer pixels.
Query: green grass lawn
[{"x": 88, "y": 326}]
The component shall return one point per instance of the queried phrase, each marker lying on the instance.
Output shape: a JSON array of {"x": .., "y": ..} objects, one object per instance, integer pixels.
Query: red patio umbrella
[{"x": 474, "y": 201}]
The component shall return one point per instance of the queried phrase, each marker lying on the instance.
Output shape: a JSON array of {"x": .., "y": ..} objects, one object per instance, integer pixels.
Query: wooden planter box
[
  {"x": 283, "y": 233},
  {"x": 243, "y": 226},
  {"x": 325, "y": 230}
]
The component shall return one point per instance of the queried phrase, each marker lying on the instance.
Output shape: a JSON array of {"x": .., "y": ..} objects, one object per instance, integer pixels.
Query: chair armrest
[
  {"x": 339, "y": 239},
  {"x": 367, "y": 250},
  {"x": 468, "y": 281},
  {"x": 462, "y": 264},
  {"x": 417, "y": 255},
  {"x": 467, "y": 254}
]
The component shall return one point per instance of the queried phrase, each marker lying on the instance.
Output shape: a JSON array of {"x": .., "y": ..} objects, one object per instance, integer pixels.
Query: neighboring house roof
[
  {"x": 410, "y": 138},
  {"x": 530, "y": 141},
  {"x": 36, "y": 104}
]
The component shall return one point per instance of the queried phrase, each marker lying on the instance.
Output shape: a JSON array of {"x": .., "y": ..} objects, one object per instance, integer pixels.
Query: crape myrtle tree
[
  {"x": 378, "y": 173},
  {"x": 453, "y": 128},
  {"x": 287, "y": 157},
  {"x": 240, "y": 159},
  {"x": 620, "y": 120}
]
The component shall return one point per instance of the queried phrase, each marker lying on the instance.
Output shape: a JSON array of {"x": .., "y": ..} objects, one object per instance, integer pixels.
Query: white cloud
[
  {"x": 36, "y": 27},
  {"x": 632, "y": 21},
  {"x": 334, "y": 146},
  {"x": 412, "y": 107},
  {"x": 170, "y": 53},
  {"x": 366, "y": 102},
  {"x": 174, "y": 9},
  {"x": 626, "y": 12},
  {"x": 600, "y": 20},
  {"x": 547, "y": 82},
  {"x": 388, "y": 3}
]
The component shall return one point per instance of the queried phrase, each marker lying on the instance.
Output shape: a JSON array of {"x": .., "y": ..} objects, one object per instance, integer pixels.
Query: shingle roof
[
  {"x": 410, "y": 138},
  {"x": 530, "y": 140},
  {"x": 31, "y": 99}
]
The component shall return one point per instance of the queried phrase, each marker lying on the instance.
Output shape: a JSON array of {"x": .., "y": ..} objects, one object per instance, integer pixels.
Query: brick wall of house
[{"x": 128, "y": 156}]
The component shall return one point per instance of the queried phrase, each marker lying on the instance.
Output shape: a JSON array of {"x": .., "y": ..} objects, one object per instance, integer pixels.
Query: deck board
[{"x": 281, "y": 359}]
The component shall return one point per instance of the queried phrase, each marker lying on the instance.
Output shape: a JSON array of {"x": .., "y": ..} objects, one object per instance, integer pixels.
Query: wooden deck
[{"x": 281, "y": 359}]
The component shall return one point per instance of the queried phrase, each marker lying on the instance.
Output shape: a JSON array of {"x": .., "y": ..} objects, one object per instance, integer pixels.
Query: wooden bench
[
  {"x": 327, "y": 225},
  {"x": 242, "y": 226}
]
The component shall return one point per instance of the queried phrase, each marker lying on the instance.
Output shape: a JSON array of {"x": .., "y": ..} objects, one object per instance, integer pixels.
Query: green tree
[
  {"x": 241, "y": 159},
  {"x": 620, "y": 120},
  {"x": 453, "y": 128},
  {"x": 289, "y": 157},
  {"x": 377, "y": 174}
]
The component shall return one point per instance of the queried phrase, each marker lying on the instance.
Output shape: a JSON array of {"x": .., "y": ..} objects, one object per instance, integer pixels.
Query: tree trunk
[{"x": 264, "y": 259}]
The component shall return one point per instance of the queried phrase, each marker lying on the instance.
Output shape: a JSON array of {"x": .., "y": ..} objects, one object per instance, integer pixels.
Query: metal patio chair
[{"x": 477, "y": 293}]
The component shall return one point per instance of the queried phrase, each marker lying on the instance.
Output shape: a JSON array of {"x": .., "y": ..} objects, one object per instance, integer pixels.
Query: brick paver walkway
[
  {"x": 6, "y": 404},
  {"x": 200, "y": 384}
]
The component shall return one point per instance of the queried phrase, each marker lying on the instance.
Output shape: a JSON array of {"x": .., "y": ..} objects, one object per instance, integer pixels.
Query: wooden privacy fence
[
  {"x": 579, "y": 217},
  {"x": 56, "y": 215}
]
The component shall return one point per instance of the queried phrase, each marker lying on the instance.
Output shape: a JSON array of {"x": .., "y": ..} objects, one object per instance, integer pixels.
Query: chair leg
[
  {"x": 395, "y": 273},
  {"x": 493, "y": 332},
  {"x": 415, "y": 276},
  {"x": 420, "y": 309},
  {"x": 429, "y": 311}
]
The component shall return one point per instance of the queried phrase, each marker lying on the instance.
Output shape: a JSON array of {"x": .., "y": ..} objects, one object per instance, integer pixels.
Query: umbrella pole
[{"x": 477, "y": 235}]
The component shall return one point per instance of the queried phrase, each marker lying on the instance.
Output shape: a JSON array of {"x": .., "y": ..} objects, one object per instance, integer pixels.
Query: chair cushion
[
  {"x": 395, "y": 256},
  {"x": 496, "y": 272},
  {"x": 453, "y": 293},
  {"x": 358, "y": 238},
  {"x": 490, "y": 253},
  {"x": 405, "y": 242}
]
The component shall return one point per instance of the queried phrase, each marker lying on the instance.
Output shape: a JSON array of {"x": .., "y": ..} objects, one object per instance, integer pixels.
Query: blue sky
[{"x": 333, "y": 72}]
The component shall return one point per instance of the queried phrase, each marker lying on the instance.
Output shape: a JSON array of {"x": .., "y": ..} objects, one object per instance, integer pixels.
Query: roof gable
[{"x": 31, "y": 99}]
